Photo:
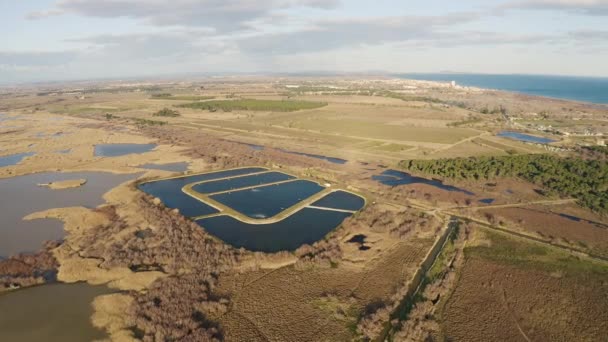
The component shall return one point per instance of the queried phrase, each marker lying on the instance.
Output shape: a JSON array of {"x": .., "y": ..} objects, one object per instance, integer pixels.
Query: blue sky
[{"x": 83, "y": 39}]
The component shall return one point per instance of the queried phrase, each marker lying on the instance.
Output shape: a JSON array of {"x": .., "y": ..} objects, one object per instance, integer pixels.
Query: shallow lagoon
[
  {"x": 117, "y": 150},
  {"x": 524, "y": 137},
  {"x": 241, "y": 182},
  {"x": 171, "y": 167},
  {"x": 304, "y": 227},
  {"x": 55, "y": 312},
  {"x": 395, "y": 178},
  {"x": 317, "y": 156},
  {"x": 267, "y": 201},
  {"x": 17, "y": 235},
  {"x": 14, "y": 159}
]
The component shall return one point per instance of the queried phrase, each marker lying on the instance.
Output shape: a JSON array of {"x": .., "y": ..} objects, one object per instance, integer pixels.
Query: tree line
[{"x": 583, "y": 179}]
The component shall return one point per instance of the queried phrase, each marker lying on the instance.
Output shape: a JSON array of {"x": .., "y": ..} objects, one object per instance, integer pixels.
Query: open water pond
[
  {"x": 55, "y": 312},
  {"x": 304, "y": 227},
  {"x": 171, "y": 167},
  {"x": 267, "y": 201},
  {"x": 14, "y": 159},
  {"x": 23, "y": 196},
  {"x": 117, "y": 150},
  {"x": 341, "y": 200},
  {"x": 317, "y": 156},
  {"x": 395, "y": 178},
  {"x": 169, "y": 191},
  {"x": 524, "y": 137},
  {"x": 241, "y": 182}
]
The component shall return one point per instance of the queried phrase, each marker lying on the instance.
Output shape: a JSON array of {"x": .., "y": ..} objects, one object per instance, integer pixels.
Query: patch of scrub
[
  {"x": 267, "y": 201},
  {"x": 117, "y": 150},
  {"x": 396, "y": 178},
  {"x": 304, "y": 227},
  {"x": 341, "y": 200},
  {"x": 18, "y": 235},
  {"x": 67, "y": 151},
  {"x": 524, "y": 137},
  {"x": 241, "y": 182},
  {"x": 172, "y": 167},
  {"x": 56, "y": 312},
  {"x": 169, "y": 191},
  {"x": 14, "y": 159}
]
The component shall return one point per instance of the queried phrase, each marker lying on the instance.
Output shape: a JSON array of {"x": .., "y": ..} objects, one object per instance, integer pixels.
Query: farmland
[{"x": 270, "y": 209}]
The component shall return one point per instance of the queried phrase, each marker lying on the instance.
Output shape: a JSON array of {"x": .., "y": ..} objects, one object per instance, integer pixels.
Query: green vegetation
[
  {"x": 146, "y": 122},
  {"x": 586, "y": 180},
  {"x": 166, "y": 112},
  {"x": 496, "y": 110},
  {"x": 167, "y": 96},
  {"x": 254, "y": 105},
  {"x": 469, "y": 121},
  {"x": 525, "y": 254}
]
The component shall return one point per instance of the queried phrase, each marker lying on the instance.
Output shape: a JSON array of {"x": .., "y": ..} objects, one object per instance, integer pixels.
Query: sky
[{"x": 44, "y": 40}]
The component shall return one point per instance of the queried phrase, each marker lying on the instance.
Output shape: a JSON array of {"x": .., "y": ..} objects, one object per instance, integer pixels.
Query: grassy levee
[
  {"x": 254, "y": 105},
  {"x": 425, "y": 274}
]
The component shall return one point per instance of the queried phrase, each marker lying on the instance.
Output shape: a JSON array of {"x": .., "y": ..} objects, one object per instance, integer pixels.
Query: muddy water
[
  {"x": 57, "y": 312},
  {"x": 117, "y": 150},
  {"x": 20, "y": 196},
  {"x": 173, "y": 167}
]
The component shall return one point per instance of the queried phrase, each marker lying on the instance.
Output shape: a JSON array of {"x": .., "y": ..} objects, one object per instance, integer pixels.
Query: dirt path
[{"x": 514, "y": 205}]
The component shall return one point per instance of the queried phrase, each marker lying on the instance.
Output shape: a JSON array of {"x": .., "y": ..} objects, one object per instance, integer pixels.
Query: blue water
[
  {"x": 304, "y": 227},
  {"x": 14, "y": 158},
  {"x": 117, "y": 150},
  {"x": 341, "y": 200},
  {"x": 267, "y": 201},
  {"x": 586, "y": 89},
  {"x": 170, "y": 191},
  {"x": 252, "y": 146},
  {"x": 241, "y": 182},
  {"x": 487, "y": 200},
  {"x": 316, "y": 156},
  {"x": 395, "y": 178},
  {"x": 570, "y": 217},
  {"x": 172, "y": 167},
  {"x": 524, "y": 137}
]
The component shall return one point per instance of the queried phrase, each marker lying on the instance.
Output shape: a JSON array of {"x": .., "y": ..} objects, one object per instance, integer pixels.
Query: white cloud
[
  {"x": 587, "y": 7},
  {"x": 223, "y": 15}
]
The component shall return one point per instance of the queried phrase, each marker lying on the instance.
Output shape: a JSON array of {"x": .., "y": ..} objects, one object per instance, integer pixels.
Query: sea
[{"x": 584, "y": 89}]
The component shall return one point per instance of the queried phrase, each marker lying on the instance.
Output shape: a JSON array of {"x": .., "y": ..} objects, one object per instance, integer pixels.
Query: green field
[
  {"x": 254, "y": 105},
  {"x": 373, "y": 130},
  {"x": 181, "y": 97}
]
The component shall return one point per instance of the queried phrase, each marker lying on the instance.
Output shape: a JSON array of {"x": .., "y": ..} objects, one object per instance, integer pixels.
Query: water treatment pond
[
  {"x": 525, "y": 137},
  {"x": 256, "y": 193},
  {"x": 395, "y": 178},
  {"x": 25, "y": 197},
  {"x": 169, "y": 191},
  {"x": 14, "y": 159},
  {"x": 304, "y": 227},
  {"x": 55, "y": 312},
  {"x": 117, "y": 150},
  {"x": 241, "y": 182},
  {"x": 267, "y": 201}
]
